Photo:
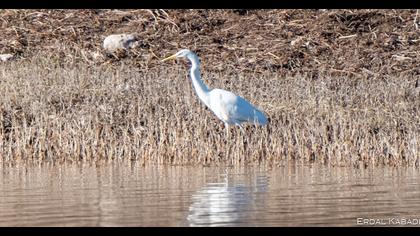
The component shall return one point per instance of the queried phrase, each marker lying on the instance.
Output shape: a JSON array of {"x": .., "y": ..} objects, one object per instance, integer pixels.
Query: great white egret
[{"x": 227, "y": 106}]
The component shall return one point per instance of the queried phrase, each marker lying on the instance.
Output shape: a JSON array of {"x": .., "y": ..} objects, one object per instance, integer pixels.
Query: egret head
[{"x": 183, "y": 53}]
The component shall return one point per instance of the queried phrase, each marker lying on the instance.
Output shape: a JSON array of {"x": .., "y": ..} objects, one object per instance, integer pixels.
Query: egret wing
[{"x": 236, "y": 108}]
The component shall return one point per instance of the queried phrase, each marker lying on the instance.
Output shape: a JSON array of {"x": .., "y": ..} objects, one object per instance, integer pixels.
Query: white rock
[
  {"x": 115, "y": 42},
  {"x": 6, "y": 57}
]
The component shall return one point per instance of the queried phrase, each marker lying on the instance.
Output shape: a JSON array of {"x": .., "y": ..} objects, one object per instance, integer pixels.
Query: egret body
[{"x": 227, "y": 106}]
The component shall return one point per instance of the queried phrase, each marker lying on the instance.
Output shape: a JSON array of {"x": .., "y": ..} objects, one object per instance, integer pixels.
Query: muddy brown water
[{"x": 128, "y": 194}]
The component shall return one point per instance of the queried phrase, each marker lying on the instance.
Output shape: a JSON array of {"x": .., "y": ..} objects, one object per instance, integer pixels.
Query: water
[{"x": 127, "y": 194}]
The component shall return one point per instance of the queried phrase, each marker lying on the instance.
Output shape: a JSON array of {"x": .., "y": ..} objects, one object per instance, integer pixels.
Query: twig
[
  {"x": 415, "y": 20},
  {"x": 401, "y": 58},
  {"x": 348, "y": 36},
  {"x": 271, "y": 54},
  {"x": 85, "y": 57},
  {"x": 151, "y": 51}
]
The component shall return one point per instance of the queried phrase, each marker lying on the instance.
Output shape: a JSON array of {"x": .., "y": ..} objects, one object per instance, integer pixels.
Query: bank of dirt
[{"x": 361, "y": 43}]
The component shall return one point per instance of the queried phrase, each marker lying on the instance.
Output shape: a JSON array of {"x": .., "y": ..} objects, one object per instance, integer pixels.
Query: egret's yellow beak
[{"x": 169, "y": 58}]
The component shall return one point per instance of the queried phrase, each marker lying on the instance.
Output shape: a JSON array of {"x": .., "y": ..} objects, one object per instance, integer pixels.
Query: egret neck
[{"x": 200, "y": 87}]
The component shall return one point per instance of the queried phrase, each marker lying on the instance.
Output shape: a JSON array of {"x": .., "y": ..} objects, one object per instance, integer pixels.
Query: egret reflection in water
[{"x": 224, "y": 203}]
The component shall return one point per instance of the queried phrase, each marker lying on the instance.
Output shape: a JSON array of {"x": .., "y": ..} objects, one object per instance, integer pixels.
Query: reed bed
[{"x": 76, "y": 112}]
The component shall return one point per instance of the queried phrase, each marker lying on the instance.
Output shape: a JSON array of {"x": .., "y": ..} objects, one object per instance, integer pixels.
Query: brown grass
[
  {"x": 353, "y": 43},
  {"x": 77, "y": 112}
]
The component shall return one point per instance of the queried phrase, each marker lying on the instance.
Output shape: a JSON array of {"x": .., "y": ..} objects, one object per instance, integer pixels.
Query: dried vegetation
[
  {"x": 340, "y": 86},
  {"x": 360, "y": 43}
]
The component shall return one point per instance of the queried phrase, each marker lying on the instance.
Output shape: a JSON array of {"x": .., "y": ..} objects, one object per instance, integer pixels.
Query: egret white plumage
[{"x": 227, "y": 106}]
